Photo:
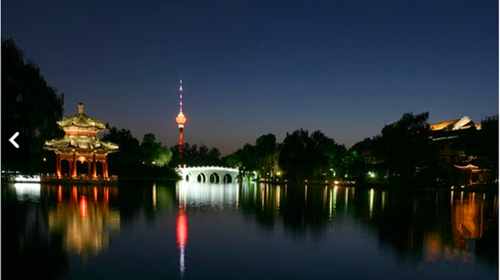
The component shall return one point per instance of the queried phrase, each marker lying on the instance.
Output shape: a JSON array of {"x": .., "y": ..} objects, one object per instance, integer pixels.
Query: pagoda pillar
[
  {"x": 105, "y": 168},
  {"x": 95, "y": 166},
  {"x": 74, "y": 165},
  {"x": 58, "y": 165},
  {"x": 88, "y": 168},
  {"x": 70, "y": 166}
]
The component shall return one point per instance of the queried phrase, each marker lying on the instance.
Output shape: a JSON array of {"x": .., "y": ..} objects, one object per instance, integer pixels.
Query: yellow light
[
  {"x": 82, "y": 159},
  {"x": 181, "y": 119}
]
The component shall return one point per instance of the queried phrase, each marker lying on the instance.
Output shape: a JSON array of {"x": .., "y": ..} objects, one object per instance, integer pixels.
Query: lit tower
[{"x": 181, "y": 121}]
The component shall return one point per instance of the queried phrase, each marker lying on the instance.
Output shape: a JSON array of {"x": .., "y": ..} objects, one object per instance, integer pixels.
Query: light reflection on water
[
  {"x": 421, "y": 229},
  {"x": 28, "y": 191},
  {"x": 83, "y": 216},
  {"x": 209, "y": 195}
]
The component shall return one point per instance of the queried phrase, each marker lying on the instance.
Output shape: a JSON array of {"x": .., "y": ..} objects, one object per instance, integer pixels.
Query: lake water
[{"x": 146, "y": 230}]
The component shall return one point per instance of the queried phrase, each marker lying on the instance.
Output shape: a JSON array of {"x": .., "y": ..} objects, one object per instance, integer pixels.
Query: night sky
[{"x": 249, "y": 68}]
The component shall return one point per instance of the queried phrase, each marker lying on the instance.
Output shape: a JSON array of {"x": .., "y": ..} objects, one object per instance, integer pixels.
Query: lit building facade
[{"x": 445, "y": 136}]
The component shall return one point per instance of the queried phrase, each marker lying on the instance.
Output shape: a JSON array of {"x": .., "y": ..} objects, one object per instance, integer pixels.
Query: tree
[
  {"x": 154, "y": 153},
  {"x": 29, "y": 106},
  {"x": 355, "y": 162},
  {"x": 148, "y": 159},
  {"x": 195, "y": 155},
  {"x": 164, "y": 156},
  {"x": 267, "y": 155},
  {"x": 486, "y": 143},
  {"x": 301, "y": 156},
  {"x": 129, "y": 155},
  {"x": 406, "y": 147}
]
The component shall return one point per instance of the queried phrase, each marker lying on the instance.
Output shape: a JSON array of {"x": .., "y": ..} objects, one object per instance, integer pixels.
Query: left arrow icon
[{"x": 11, "y": 140}]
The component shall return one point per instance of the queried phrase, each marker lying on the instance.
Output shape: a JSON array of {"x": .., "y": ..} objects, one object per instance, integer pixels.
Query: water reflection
[
  {"x": 182, "y": 236},
  {"x": 318, "y": 231},
  {"x": 209, "y": 195},
  {"x": 27, "y": 191},
  {"x": 417, "y": 222},
  {"x": 420, "y": 227},
  {"x": 29, "y": 249},
  {"x": 468, "y": 214},
  {"x": 83, "y": 216}
]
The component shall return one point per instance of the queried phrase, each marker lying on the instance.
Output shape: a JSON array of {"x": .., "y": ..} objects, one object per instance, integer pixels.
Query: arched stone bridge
[{"x": 208, "y": 174}]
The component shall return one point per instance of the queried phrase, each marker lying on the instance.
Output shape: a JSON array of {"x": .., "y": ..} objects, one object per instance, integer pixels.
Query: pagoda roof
[
  {"x": 82, "y": 120},
  {"x": 80, "y": 142}
]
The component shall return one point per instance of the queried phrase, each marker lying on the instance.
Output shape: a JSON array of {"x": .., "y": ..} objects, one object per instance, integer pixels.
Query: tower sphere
[{"x": 181, "y": 119}]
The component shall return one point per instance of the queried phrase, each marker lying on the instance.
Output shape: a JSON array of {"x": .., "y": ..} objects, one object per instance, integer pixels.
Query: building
[
  {"x": 80, "y": 153},
  {"x": 450, "y": 137}
]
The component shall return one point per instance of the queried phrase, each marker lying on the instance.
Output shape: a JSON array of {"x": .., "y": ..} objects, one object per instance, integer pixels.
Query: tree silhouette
[
  {"x": 29, "y": 106},
  {"x": 406, "y": 146}
]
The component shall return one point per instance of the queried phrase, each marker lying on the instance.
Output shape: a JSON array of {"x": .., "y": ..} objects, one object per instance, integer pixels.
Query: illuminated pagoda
[
  {"x": 81, "y": 145},
  {"x": 181, "y": 121}
]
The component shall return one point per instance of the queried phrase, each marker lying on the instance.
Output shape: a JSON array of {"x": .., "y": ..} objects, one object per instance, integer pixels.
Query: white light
[
  {"x": 24, "y": 178},
  {"x": 27, "y": 190}
]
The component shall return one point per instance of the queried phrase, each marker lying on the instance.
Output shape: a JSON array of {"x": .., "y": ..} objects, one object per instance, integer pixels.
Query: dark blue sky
[{"x": 254, "y": 67}]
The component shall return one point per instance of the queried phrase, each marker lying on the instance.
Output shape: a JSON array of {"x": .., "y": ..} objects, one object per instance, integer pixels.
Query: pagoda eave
[{"x": 70, "y": 151}]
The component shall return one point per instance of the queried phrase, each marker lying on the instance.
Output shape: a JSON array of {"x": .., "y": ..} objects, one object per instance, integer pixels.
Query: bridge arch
[
  {"x": 201, "y": 178},
  {"x": 209, "y": 174},
  {"x": 215, "y": 178},
  {"x": 227, "y": 179}
]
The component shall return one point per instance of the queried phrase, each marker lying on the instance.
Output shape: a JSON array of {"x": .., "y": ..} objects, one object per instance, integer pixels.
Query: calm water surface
[{"x": 209, "y": 231}]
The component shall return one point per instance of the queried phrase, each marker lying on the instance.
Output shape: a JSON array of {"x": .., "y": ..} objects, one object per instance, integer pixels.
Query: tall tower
[{"x": 181, "y": 121}]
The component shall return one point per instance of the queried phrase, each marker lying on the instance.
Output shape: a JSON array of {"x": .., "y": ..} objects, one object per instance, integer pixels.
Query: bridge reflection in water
[
  {"x": 217, "y": 196},
  {"x": 200, "y": 195}
]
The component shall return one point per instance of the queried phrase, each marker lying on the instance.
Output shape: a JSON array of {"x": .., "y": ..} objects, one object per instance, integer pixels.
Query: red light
[
  {"x": 75, "y": 194},
  {"x": 106, "y": 195},
  {"x": 182, "y": 229},
  {"x": 83, "y": 206}
]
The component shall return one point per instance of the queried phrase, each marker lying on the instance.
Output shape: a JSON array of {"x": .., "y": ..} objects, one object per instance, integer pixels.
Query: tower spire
[{"x": 180, "y": 97}]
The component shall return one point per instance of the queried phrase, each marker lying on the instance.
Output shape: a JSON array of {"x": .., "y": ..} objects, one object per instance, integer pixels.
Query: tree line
[
  {"x": 300, "y": 155},
  {"x": 405, "y": 152}
]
